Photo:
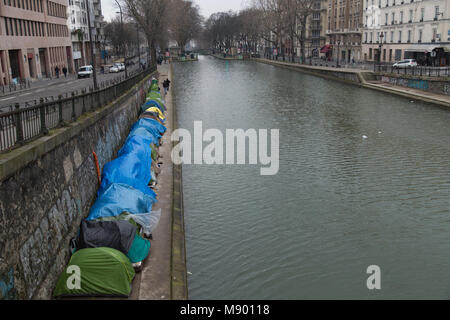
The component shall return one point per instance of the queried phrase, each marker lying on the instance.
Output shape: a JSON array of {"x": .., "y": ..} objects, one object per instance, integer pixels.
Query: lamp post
[
  {"x": 337, "y": 63},
  {"x": 380, "y": 46},
  {"x": 121, "y": 33},
  {"x": 138, "y": 46},
  {"x": 93, "y": 62}
]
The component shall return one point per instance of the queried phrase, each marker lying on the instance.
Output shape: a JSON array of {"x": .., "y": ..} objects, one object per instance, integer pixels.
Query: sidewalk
[
  {"x": 40, "y": 83},
  {"x": 410, "y": 93},
  {"x": 157, "y": 277}
]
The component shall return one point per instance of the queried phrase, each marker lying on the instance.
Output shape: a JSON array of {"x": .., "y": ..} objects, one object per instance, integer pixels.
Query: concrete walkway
[
  {"x": 410, "y": 93},
  {"x": 156, "y": 279},
  {"x": 413, "y": 94}
]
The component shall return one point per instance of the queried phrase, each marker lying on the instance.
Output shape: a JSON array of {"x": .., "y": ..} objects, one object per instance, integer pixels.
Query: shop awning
[
  {"x": 421, "y": 48},
  {"x": 326, "y": 48}
]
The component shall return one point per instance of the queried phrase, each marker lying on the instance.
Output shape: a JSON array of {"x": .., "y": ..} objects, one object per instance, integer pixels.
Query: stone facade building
[
  {"x": 78, "y": 26},
  {"x": 408, "y": 29},
  {"x": 345, "y": 29},
  {"x": 34, "y": 39},
  {"x": 316, "y": 28}
]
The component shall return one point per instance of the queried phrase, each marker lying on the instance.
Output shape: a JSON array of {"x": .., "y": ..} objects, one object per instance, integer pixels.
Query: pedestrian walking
[
  {"x": 166, "y": 85},
  {"x": 65, "y": 71},
  {"x": 57, "y": 72}
]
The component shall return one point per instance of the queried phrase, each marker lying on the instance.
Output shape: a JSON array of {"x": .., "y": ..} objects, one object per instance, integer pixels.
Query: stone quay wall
[{"x": 48, "y": 186}]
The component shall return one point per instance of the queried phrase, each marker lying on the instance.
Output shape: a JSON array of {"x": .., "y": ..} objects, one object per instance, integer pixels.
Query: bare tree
[
  {"x": 186, "y": 22},
  {"x": 151, "y": 15},
  {"x": 272, "y": 13},
  {"x": 120, "y": 39},
  {"x": 251, "y": 28},
  {"x": 223, "y": 29},
  {"x": 303, "y": 9}
]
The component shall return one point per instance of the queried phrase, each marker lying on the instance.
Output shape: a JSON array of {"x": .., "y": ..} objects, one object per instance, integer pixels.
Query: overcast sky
[{"x": 207, "y": 7}]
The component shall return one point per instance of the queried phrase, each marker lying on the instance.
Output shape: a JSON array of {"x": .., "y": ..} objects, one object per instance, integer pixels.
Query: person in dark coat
[
  {"x": 65, "y": 71},
  {"x": 57, "y": 72},
  {"x": 166, "y": 85}
]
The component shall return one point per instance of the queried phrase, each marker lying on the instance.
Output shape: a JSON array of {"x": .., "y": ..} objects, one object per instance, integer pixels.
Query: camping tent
[
  {"x": 120, "y": 235},
  {"x": 104, "y": 272},
  {"x": 132, "y": 166},
  {"x": 119, "y": 198}
]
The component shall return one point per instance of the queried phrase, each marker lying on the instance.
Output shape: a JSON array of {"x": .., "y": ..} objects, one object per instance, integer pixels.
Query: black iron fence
[
  {"x": 415, "y": 71},
  {"x": 19, "y": 125},
  {"x": 14, "y": 87}
]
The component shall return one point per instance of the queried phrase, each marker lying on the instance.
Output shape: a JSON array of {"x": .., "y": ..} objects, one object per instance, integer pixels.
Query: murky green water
[{"x": 339, "y": 202}]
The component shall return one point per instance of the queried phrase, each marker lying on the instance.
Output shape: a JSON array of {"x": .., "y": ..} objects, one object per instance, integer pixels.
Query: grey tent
[{"x": 118, "y": 235}]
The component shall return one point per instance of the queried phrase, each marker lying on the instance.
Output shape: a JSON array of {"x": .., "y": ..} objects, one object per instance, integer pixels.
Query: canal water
[{"x": 339, "y": 203}]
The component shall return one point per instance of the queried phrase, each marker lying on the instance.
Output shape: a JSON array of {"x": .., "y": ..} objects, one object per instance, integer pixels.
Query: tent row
[{"x": 114, "y": 240}]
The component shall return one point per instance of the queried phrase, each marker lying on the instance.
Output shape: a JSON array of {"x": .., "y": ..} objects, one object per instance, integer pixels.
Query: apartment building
[
  {"x": 79, "y": 29},
  {"x": 316, "y": 28},
  {"x": 344, "y": 30},
  {"x": 407, "y": 29},
  {"x": 34, "y": 39}
]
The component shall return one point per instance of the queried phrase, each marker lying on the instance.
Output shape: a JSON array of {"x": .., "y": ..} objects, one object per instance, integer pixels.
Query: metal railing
[
  {"x": 19, "y": 125},
  {"x": 415, "y": 71},
  {"x": 7, "y": 89}
]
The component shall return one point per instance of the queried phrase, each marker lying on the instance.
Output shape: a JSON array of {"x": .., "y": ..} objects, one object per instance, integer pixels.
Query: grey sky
[{"x": 207, "y": 7}]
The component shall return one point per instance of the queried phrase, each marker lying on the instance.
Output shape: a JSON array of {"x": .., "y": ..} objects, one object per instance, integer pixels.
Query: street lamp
[
  {"x": 121, "y": 33},
  {"x": 379, "y": 52},
  {"x": 381, "y": 45},
  {"x": 93, "y": 62},
  {"x": 337, "y": 63}
]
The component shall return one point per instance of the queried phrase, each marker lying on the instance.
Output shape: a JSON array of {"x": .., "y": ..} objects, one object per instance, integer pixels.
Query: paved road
[{"x": 54, "y": 87}]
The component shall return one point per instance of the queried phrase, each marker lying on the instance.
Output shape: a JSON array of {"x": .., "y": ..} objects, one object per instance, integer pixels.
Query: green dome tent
[{"x": 104, "y": 272}]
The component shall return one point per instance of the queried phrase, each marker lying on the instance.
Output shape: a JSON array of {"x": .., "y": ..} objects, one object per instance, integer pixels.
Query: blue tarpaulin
[
  {"x": 153, "y": 128},
  {"x": 118, "y": 198},
  {"x": 153, "y": 103},
  {"x": 132, "y": 166}
]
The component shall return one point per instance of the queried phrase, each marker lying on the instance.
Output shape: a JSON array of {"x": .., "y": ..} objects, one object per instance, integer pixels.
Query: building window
[
  {"x": 436, "y": 12},
  {"x": 400, "y": 36},
  {"x": 420, "y": 36},
  {"x": 422, "y": 14},
  {"x": 6, "y": 26},
  {"x": 401, "y": 16},
  {"x": 409, "y": 36},
  {"x": 410, "y": 16},
  {"x": 392, "y": 36}
]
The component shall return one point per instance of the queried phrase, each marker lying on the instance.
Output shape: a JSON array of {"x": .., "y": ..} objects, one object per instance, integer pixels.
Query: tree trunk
[{"x": 153, "y": 51}]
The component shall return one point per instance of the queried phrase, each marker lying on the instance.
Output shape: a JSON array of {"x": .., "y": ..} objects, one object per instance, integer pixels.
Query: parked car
[
  {"x": 114, "y": 69},
  {"x": 408, "y": 63},
  {"x": 85, "y": 72},
  {"x": 121, "y": 66}
]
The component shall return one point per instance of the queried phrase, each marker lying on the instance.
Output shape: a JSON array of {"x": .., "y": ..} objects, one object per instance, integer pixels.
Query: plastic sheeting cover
[
  {"x": 147, "y": 221},
  {"x": 152, "y": 126},
  {"x": 153, "y": 103},
  {"x": 119, "y": 198},
  {"x": 132, "y": 166}
]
